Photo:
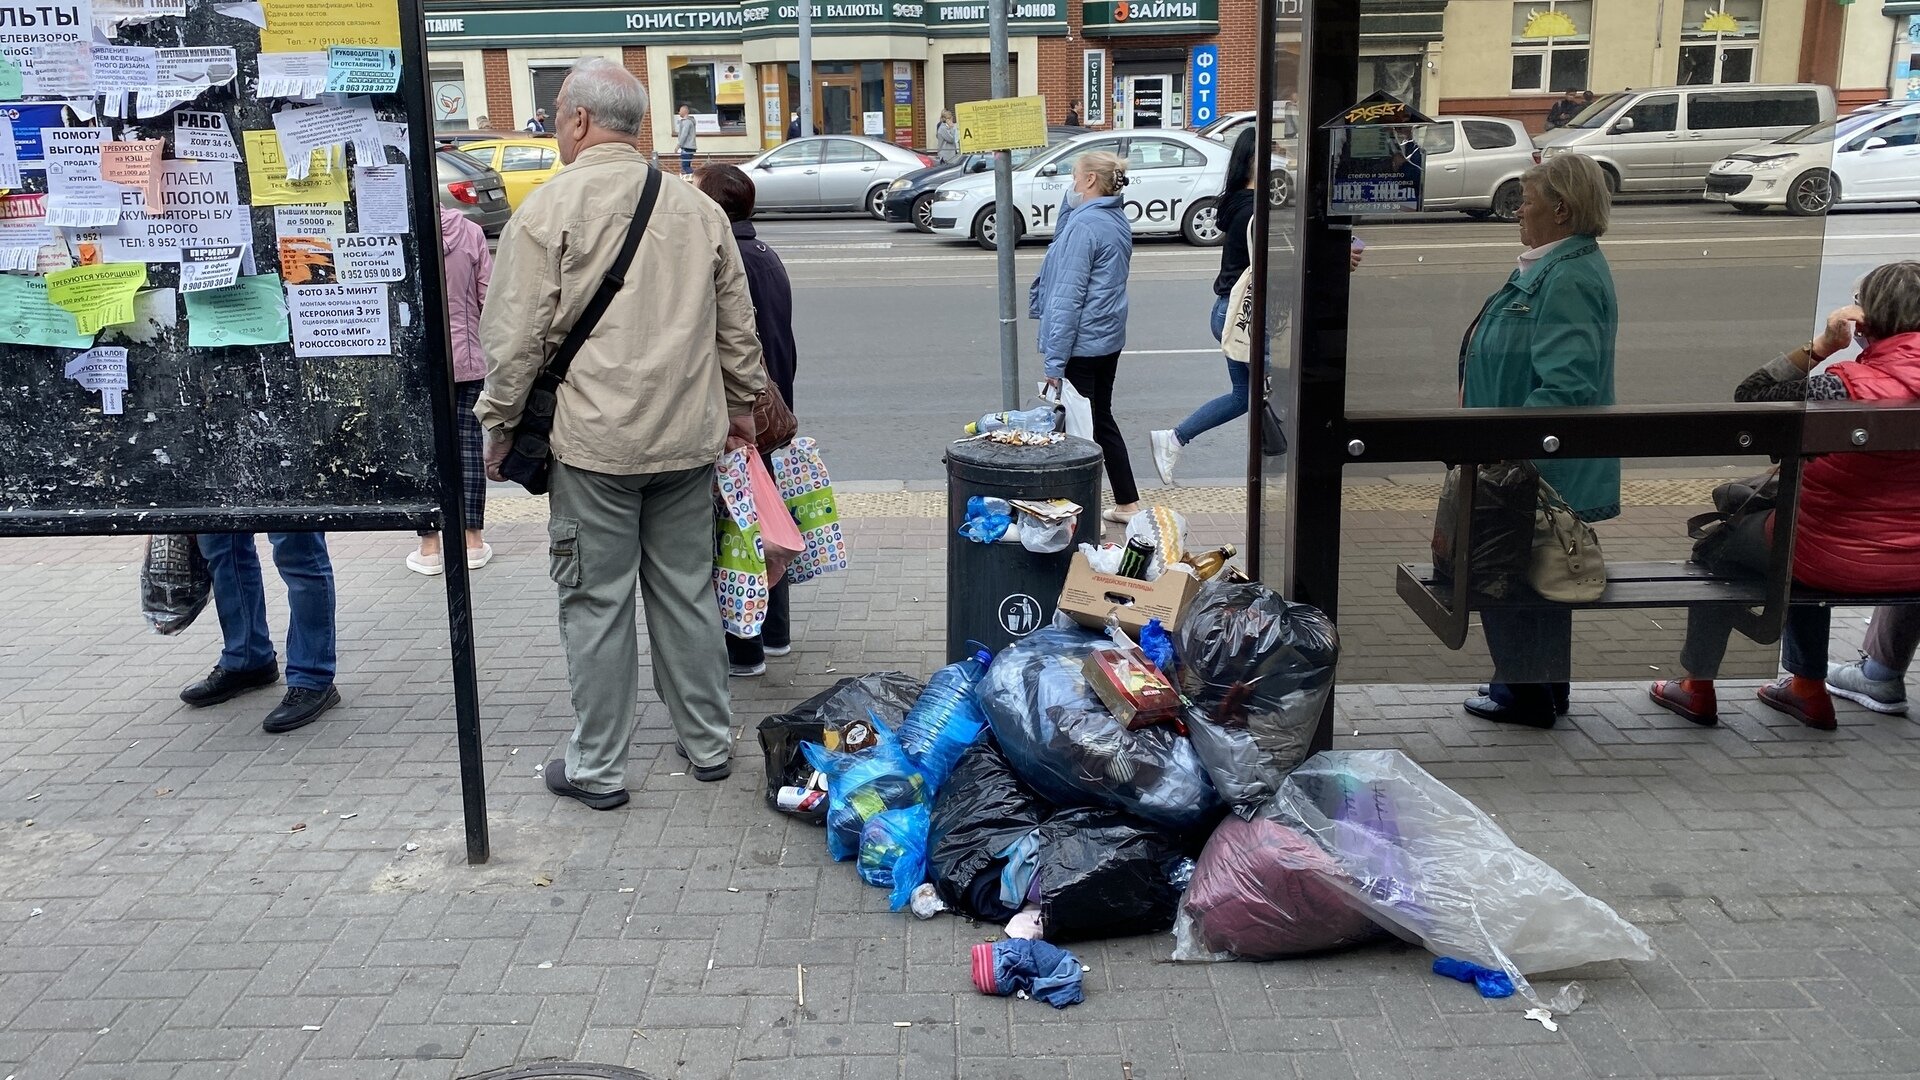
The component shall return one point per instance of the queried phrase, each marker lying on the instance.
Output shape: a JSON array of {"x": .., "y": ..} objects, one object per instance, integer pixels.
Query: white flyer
[
  {"x": 110, "y": 14},
  {"x": 310, "y": 219},
  {"x": 124, "y": 69},
  {"x": 380, "y": 192},
  {"x": 57, "y": 69},
  {"x": 395, "y": 135},
  {"x": 340, "y": 320},
  {"x": 99, "y": 368},
  {"x": 112, "y": 401},
  {"x": 322, "y": 127},
  {"x": 76, "y": 195},
  {"x": 24, "y": 231},
  {"x": 359, "y": 258},
  {"x": 291, "y": 75},
  {"x": 48, "y": 41},
  {"x": 9, "y": 155},
  {"x": 200, "y": 206},
  {"x": 184, "y": 74},
  {"x": 203, "y": 136},
  {"x": 203, "y": 268}
]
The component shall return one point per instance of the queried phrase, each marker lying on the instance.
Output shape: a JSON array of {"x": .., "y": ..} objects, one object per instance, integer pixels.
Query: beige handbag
[
  {"x": 1236, "y": 339},
  {"x": 1566, "y": 566}
]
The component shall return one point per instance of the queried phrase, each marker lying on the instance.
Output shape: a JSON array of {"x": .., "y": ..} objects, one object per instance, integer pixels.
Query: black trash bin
[{"x": 997, "y": 593}]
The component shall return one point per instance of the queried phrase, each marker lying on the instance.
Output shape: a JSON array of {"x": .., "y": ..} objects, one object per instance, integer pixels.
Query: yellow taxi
[{"x": 523, "y": 164}]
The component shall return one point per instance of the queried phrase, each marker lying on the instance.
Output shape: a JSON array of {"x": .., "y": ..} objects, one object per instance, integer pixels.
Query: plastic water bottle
[
  {"x": 946, "y": 720},
  {"x": 1039, "y": 419}
]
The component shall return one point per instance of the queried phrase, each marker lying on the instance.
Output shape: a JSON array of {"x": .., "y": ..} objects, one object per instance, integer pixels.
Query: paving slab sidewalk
[{"x": 182, "y": 896}]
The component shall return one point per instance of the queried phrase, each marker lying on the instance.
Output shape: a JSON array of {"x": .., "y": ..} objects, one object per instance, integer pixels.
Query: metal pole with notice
[
  {"x": 805, "y": 12},
  {"x": 1006, "y": 216}
]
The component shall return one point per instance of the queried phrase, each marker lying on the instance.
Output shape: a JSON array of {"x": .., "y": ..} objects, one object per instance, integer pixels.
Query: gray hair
[
  {"x": 611, "y": 95},
  {"x": 1890, "y": 299},
  {"x": 1579, "y": 183}
]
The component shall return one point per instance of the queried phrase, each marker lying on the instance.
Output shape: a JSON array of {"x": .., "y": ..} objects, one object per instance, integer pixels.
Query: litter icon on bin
[{"x": 1020, "y": 614}]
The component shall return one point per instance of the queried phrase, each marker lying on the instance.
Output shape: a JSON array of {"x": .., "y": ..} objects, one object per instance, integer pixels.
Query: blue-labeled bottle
[{"x": 946, "y": 720}]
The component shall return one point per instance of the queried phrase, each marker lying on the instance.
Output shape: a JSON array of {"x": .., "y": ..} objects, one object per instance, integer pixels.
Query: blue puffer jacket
[{"x": 1080, "y": 295}]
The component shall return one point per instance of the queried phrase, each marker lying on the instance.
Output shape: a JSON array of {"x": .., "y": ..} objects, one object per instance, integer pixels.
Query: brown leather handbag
[{"x": 773, "y": 421}]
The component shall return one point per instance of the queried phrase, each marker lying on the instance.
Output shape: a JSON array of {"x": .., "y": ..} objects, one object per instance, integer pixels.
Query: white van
[{"x": 1669, "y": 137}]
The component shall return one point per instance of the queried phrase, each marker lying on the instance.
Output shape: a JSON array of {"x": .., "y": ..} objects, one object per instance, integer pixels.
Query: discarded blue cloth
[
  {"x": 1158, "y": 645},
  {"x": 1490, "y": 983},
  {"x": 1046, "y": 972},
  {"x": 1023, "y": 861}
]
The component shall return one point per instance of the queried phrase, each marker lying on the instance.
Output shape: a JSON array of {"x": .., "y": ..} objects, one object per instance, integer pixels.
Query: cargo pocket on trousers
[{"x": 563, "y": 551}]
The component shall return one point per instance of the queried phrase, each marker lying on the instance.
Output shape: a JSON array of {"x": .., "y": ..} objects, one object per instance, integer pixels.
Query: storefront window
[
  {"x": 715, "y": 90},
  {"x": 449, "y": 97},
  {"x": 1551, "y": 43},
  {"x": 874, "y": 99},
  {"x": 1397, "y": 75},
  {"x": 1719, "y": 40}
]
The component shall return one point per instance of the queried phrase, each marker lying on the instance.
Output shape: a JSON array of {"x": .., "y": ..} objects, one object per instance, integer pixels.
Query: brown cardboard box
[
  {"x": 1089, "y": 597},
  {"x": 1131, "y": 687}
]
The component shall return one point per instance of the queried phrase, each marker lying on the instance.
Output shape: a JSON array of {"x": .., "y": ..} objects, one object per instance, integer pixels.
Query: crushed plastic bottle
[
  {"x": 1040, "y": 419},
  {"x": 945, "y": 720},
  {"x": 926, "y": 902}
]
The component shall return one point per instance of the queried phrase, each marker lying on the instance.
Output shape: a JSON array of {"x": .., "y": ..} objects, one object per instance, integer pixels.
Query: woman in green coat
[{"x": 1545, "y": 340}]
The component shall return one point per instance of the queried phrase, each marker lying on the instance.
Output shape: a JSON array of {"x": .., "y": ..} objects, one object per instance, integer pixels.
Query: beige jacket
[{"x": 675, "y": 354}]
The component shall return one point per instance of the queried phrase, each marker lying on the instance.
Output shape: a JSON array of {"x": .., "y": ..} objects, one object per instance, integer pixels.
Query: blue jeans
[
  {"x": 686, "y": 163},
  {"x": 1219, "y": 320},
  {"x": 240, "y": 597},
  {"x": 1227, "y": 407}
]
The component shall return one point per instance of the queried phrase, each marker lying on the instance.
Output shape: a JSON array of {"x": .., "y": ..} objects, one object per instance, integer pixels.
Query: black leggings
[{"x": 1093, "y": 377}]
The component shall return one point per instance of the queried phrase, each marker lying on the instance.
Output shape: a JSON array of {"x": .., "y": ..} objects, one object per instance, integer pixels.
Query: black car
[{"x": 909, "y": 199}]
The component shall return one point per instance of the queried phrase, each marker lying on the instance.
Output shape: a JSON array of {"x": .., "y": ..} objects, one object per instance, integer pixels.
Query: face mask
[{"x": 1074, "y": 199}]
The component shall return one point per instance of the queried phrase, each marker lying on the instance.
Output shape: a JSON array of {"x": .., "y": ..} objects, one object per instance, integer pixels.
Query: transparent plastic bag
[
  {"x": 1044, "y": 537},
  {"x": 1429, "y": 865},
  {"x": 175, "y": 582},
  {"x": 1263, "y": 890},
  {"x": 862, "y": 785},
  {"x": 1257, "y": 669},
  {"x": 1063, "y": 742}
]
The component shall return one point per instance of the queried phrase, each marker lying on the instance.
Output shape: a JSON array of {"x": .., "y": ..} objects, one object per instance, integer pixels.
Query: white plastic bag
[
  {"x": 1424, "y": 862},
  {"x": 1079, "y": 411}
]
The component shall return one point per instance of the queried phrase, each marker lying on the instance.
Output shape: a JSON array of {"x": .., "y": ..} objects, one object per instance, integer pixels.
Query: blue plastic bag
[
  {"x": 988, "y": 519},
  {"x": 862, "y": 785},
  {"x": 893, "y": 852}
]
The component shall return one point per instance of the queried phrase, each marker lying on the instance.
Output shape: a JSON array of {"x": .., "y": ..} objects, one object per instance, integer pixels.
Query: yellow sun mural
[
  {"x": 1546, "y": 24},
  {"x": 1720, "y": 22}
]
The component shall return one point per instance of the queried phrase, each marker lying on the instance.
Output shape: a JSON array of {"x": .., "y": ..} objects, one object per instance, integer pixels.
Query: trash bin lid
[{"x": 986, "y": 461}]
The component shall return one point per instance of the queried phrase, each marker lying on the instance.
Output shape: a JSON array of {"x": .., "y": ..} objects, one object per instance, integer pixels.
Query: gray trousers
[
  {"x": 1894, "y": 635},
  {"x": 607, "y": 532}
]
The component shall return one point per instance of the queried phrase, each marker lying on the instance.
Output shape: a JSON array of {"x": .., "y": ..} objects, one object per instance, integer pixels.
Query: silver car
[
  {"x": 830, "y": 172},
  {"x": 1474, "y": 164}
]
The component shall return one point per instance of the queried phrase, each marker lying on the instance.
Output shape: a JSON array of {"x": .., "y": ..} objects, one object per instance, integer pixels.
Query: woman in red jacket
[{"x": 1859, "y": 513}]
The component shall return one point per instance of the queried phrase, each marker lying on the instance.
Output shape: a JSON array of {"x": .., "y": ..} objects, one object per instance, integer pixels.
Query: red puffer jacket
[{"x": 1859, "y": 524}]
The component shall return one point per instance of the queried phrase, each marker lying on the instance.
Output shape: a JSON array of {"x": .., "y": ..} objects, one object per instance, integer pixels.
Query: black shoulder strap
[{"x": 610, "y": 285}]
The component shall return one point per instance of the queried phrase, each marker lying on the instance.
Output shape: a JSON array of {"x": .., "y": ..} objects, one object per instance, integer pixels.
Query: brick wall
[
  {"x": 502, "y": 110},
  {"x": 1060, "y": 59},
  {"x": 634, "y": 59}
]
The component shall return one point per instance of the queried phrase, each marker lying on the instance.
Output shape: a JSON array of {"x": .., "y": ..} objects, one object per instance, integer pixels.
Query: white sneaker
[
  {"x": 1166, "y": 454},
  {"x": 746, "y": 671},
  {"x": 430, "y": 565},
  {"x": 1882, "y": 696},
  {"x": 776, "y": 650}
]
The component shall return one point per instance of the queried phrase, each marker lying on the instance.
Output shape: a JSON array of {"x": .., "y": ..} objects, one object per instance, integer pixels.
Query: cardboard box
[
  {"x": 1131, "y": 687},
  {"x": 1089, "y": 597}
]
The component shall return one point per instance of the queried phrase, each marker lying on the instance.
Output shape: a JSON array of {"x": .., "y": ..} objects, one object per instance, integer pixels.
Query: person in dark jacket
[
  {"x": 1545, "y": 339},
  {"x": 1566, "y": 109},
  {"x": 773, "y": 317},
  {"x": 1857, "y": 528},
  {"x": 1080, "y": 299}
]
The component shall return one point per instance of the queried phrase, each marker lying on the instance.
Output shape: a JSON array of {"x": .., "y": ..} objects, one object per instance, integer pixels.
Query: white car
[
  {"x": 1173, "y": 180},
  {"x": 1870, "y": 156}
]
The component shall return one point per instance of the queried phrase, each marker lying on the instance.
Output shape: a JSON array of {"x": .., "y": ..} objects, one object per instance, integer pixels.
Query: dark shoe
[
  {"x": 223, "y": 685},
  {"x": 558, "y": 783},
  {"x": 706, "y": 773},
  {"x": 1488, "y": 709},
  {"x": 1805, "y": 700},
  {"x": 1562, "y": 697},
  {"x": 1693, "y": 699},
  {"x": 299, "y": 708}
]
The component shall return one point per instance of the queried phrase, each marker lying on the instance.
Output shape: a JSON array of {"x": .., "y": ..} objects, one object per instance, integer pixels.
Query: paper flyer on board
[
  {"x": 203, "y": 136},
  {"x": 182, "y": 75},
  {"x": 28, "y": 317},
  {"x": 134, "y": 165},
  {"x": 381, "y": 198},
  {"x": 267, "y": 174},
  {"x": 9, "y": 155},
  {"x": 340, "y": 320},
  {"x": 103, "y": 369},
  {"x": 112, "y": 13},
  {"x": 292, "y": 74},
  {"x": 359, "y": 69},
  {"x": 253, "y": 311},
  {"x": 98, "y": 296},
  {"x": 23, "y": 231},
  {"x": 360, "y": 258},
  {"x": 50, "y": 42},
  {"x": 201, "y": 207},
  {"x": 310, "y": 219},
  {"x": 210, "y": 267},
  {"x": 322, "y": 127},
  {"x": 302, "y": 25}
]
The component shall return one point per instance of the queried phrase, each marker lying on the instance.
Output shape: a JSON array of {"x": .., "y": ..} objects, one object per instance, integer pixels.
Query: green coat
[{"x": 1545, "y": 340}]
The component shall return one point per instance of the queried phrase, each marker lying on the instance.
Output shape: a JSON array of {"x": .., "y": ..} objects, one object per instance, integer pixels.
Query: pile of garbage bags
[{"x": 1008, "y": 789}]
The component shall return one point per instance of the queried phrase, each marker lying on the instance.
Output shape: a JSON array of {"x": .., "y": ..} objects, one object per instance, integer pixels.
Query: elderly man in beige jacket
[{"x": 667, "y": 377}]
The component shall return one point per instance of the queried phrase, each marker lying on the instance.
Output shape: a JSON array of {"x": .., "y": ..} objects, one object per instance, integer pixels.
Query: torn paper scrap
[
  {"x": 9, "y": 154},
  {"x": 292, "y": 74},
  {"x": 250, "y": 11},
  {"x": 100, "y": 368},
  {"x": 135, "y": 165},
  {"x": 111, "y": 14}
]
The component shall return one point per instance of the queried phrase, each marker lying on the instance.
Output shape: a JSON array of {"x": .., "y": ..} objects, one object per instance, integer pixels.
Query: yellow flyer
[
  {"x": 97, "y": 295},
  {"x": 308, "y": 26},
  {"x": 267, "y": 174}
]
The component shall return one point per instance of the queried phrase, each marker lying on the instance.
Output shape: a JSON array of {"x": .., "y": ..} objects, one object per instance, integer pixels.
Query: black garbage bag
[
  {"x": 1071, "y": 751},
  {"x": 886, "y": 694},
  {"x": 983, "y": 810},
  {"x": 1105, "y": 874},
  {"x": 175, "y": 582},
  {"x": 1257, "y": 670},
  {"x": 1500, "y": 536}
]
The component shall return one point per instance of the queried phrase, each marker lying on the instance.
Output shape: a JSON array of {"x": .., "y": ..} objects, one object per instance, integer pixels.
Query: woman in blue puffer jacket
[{"x": 1080, "y": 298}]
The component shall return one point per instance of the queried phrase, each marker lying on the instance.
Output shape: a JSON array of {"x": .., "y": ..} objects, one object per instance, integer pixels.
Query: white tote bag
[{"x": 1078, "y": 409}]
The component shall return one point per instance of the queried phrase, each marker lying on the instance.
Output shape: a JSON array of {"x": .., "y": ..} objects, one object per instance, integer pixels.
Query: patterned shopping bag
[
  {"x": 739, "y": 562},
  {"x": 803, "y": 481}
]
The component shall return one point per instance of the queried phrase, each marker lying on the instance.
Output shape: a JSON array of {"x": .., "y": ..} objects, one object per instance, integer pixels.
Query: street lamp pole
[
  {"x": 805, "y": 11},
  {"x": 1006, "y": 216}
]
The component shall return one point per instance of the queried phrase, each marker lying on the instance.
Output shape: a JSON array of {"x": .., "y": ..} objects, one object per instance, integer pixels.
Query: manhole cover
[{"x": 560, "y": 1070}]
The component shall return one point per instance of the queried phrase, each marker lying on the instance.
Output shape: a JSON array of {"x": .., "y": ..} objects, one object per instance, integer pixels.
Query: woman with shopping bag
[{"x": 773, "y": 317}]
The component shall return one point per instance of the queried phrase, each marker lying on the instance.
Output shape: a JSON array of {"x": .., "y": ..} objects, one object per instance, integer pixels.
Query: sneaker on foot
[
  {"x": 776, "y": 650},
  {"x": 747, "y": 671},
  {"x": 1166, "y": 454},
  {"x": 1805, "y": 700},
  {"x": 1881, "y": 695}
]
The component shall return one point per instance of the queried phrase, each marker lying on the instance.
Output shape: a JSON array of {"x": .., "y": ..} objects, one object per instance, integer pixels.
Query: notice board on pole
[{"x": 220, "y": 295}]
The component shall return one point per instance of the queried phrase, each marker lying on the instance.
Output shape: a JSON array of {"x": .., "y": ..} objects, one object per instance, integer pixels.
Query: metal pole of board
[
  {"x": 804, "y": 10},
  {"x": 446, "y": 445},
  {"x": 1005, "y": 216}
]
